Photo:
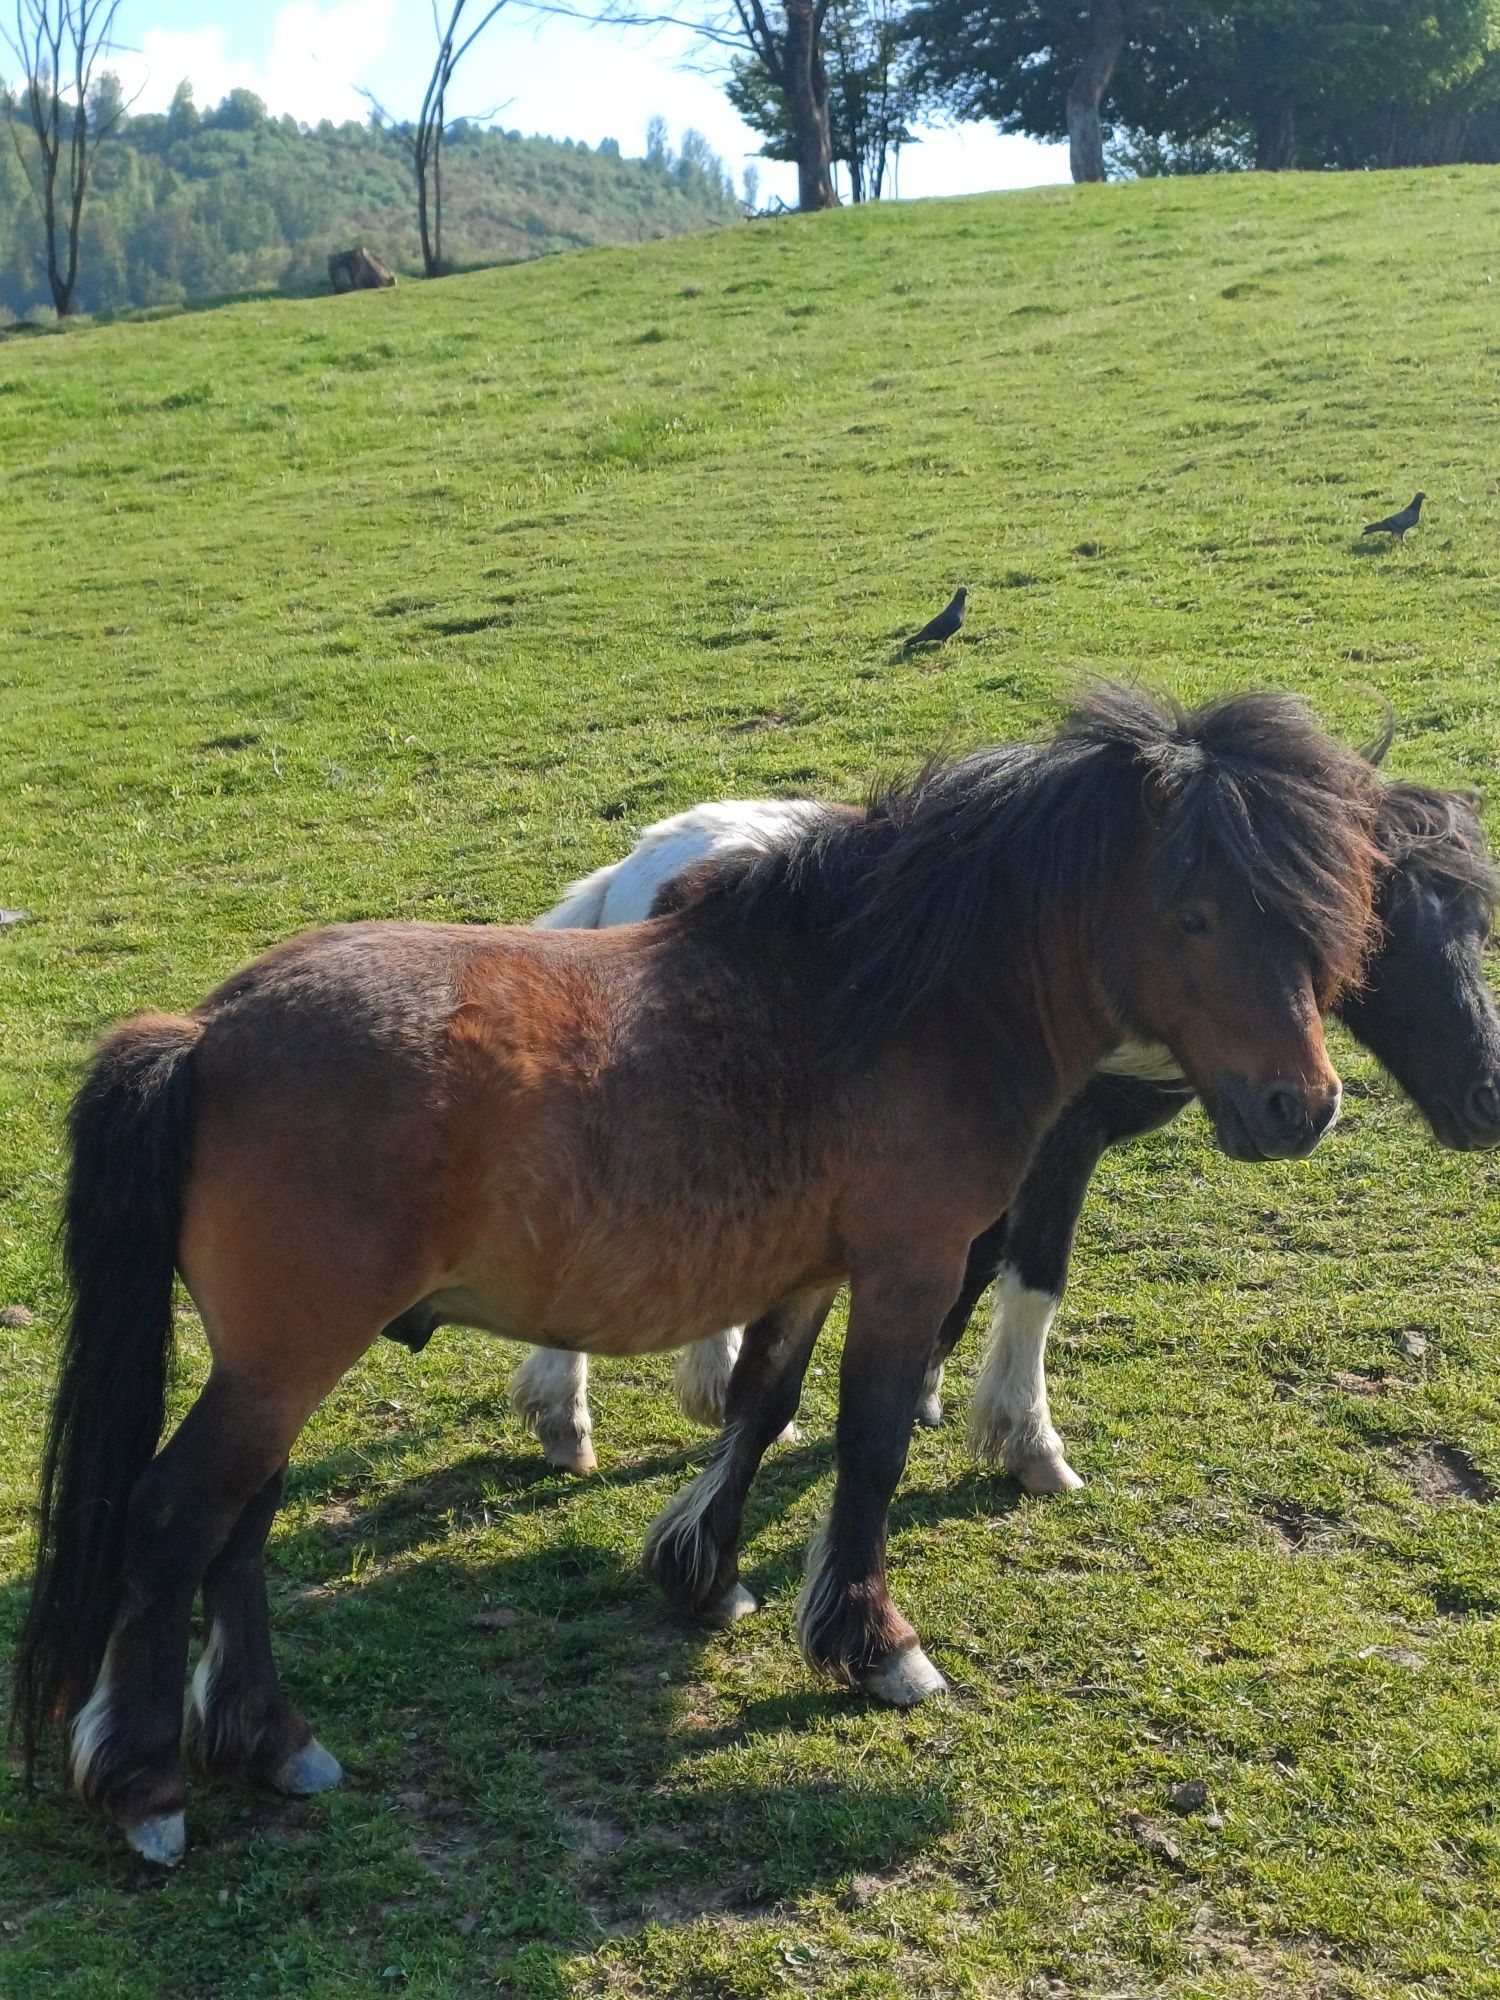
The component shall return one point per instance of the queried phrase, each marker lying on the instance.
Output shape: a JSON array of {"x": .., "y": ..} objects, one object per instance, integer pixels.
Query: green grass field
[{"x": 416, "y": 605}]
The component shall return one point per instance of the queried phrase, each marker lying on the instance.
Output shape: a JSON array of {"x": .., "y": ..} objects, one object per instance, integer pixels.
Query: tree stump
[{"x": 358, "y": 271}]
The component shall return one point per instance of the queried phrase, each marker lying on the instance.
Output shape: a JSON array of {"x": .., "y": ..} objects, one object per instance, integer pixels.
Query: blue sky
[{"x": 311, "y": 57}]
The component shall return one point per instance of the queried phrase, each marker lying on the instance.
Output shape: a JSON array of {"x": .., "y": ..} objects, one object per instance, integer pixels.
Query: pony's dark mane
[
  {"x": 1433, "y": 839},
  {"x": 902, "y": 899}
]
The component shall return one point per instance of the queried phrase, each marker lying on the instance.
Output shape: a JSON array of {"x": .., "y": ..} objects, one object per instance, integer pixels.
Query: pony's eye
[{"x": 1193, "y": 923}]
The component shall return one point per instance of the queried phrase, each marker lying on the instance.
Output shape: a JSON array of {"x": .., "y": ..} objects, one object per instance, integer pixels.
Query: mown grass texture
[{"x": 418, "y": 604}]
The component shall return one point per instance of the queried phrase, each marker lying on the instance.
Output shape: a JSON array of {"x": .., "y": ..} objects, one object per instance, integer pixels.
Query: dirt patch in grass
[
  {"x": 1298, "y": 1530},
  {"x": 1438, "y": 1472}
]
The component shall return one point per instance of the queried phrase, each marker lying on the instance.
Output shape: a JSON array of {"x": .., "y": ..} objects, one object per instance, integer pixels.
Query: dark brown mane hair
[
  {"x": 1433, "y": 839},
  {"x": 903, "y": 900}
]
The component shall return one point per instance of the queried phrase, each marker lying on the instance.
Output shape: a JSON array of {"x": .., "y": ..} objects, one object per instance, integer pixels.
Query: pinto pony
[
  {"x": 1422, "y": 1009},
  {"x": 831, "y": 1062}
]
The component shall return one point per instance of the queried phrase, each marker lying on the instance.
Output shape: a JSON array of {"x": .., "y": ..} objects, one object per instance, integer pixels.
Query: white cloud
[{"x": 317, "y": 57}]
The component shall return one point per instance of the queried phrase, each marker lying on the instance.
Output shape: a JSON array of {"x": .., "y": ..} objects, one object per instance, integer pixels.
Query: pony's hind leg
[
  {"x": 847, "y": 1624},
  {"x": 985, "y": 1254},
  {"x": 239, "y": 1724},
  {"x": 692, "y": 1549},
  {"x": 701, "y": 1376},
  {"x": 550, "y": 1393},
  {"x": 125, "y": 1742}
]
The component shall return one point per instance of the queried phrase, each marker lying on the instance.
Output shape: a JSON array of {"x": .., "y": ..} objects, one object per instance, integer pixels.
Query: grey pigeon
[
  {"x": 947, "y": 622},
  {"x": 1397, "y": 524}
]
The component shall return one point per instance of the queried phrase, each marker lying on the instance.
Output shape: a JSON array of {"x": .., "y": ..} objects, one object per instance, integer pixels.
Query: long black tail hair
[{"x": 129, "y": 1133}]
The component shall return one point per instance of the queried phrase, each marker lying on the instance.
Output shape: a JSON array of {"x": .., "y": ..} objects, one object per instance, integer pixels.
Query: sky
[{"x": 312, "y": 58}]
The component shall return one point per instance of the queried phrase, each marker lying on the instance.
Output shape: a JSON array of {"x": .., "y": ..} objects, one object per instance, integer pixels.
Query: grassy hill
[
  {"x": 183, "y": 208},
  {"x": 420, "y": 603}
]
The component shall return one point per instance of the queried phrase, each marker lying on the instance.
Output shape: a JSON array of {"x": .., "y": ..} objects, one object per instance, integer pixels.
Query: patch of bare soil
[
  {"x": 1299, "y": 1530},
  {"x": 1438, "y": 1472}
]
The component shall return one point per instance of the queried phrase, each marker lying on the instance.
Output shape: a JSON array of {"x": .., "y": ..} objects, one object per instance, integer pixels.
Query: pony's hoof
[
  {"x": 735, "y": 1604},
  {"x": 162, "y": 1841},
  {"x": 791, "y": 1435},
  {"x": 930, "y": 1412},
  {"x": 903, "y": 1679},
  {"x": 1048, "y": 1472},
  {"x": 572, "y": 1457},
  {"x": 307, "y": 1771}
]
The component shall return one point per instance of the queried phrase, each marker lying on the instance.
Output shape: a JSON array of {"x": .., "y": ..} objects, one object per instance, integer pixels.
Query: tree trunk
[
  {"x": 1087, "y": 87},
  {"x": 1276, "y": 137},
  {"x": 807, "y": 100}
]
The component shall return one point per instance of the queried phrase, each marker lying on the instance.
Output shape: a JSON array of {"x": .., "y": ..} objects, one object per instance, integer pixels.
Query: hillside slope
[
  {"x": 186, "y": 209},
  {"x": 419, "y": 604}
]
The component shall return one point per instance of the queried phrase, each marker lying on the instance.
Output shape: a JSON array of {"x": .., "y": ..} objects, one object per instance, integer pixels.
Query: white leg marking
[
  {"x": 702, "y": 1376},
  {"x": 678, "y": 1539},
  {"x": 930, "y": 1403},
  {"x": 160, "y": 1840},
  {"x": 92, "y": 1725},
  {"x": 1009, "y": 1418},
  {"x": 200, "y": 1693},
  {"x": 818, "y": 1596},
  {"x": 550, "y": 1393}
]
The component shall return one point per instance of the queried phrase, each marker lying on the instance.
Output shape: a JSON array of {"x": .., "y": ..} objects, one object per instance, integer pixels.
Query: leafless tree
[
  {"x": 53, "y": 118},
  {"x": 424, "y": 139}
]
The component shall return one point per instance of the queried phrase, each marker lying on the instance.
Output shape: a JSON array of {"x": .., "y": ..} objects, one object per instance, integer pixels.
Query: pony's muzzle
[{"x": 1280, "y": 1120}]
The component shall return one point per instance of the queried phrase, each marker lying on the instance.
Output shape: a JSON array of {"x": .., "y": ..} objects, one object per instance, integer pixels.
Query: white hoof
[
  {"x": 570, "y": 1454},
  {"x": 734, "y": 1605},
  {"x": 791, "y": 1435},
  {"x": 903, "y": 1679},
  {"x": 930, "y": 1412},
  {"x": 1045, "y": 1472},
  {"x": 161, "y": 1841},
  {"x": 308, "y": 1770}
]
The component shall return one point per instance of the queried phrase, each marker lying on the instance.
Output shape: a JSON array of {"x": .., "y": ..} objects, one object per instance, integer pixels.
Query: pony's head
[
  {"x": 1248, "y": 908},
  {"x": 1423, "y": 1008}
]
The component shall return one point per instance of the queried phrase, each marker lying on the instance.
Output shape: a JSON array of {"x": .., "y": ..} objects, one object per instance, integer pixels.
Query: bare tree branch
[{"x": 59, "y": 45}]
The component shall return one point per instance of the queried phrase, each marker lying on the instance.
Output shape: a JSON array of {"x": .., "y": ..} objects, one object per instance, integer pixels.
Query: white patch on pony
[
  {"x": 1009, "y": 1418},
  {"x": 1145, "y": 1062},
  {"x": 930, "y": 1402},
  {"x": 549, "y": 1393},
  {"x": 818, "y": 1598},
  {"x": 677, "y": 1539},
  {"x": 92, "y": 1726},
  {"x": 701, "y": 1377},
  {"x": 200, "y": 1693},
  {"x": 623, "y": 892}
]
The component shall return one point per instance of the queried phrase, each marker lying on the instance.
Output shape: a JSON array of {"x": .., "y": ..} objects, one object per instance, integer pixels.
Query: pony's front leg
[
  {"x": 701, "y": 1379},
  {"x": 692, "y": 1549},
  {"x": 550, "y": 1393},
  {"x": 846, "y": 1621},
  {"x": 239, "y": 1723}
]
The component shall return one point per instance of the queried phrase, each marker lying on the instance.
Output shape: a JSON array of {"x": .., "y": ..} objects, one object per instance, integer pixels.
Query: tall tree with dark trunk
[
  {"x": 871, "y": 100},
  {"x": 1086, "y": 88},
  {"x": 58, "y": 117},
  {"x": 1039, "y": 66}
]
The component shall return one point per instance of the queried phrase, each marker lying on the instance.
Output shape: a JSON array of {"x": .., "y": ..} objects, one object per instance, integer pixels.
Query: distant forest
[{"x": 194, "y": 205}]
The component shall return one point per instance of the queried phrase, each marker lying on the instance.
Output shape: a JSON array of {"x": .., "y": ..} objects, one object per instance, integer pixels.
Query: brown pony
[{"x": 831, "y": 1061}]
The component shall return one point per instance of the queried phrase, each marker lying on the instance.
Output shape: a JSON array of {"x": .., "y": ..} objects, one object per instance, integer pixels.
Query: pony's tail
[{"x": 129, "y": 1132}]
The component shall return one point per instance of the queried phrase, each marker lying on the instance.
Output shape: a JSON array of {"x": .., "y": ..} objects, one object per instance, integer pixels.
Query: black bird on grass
[
  {"x": 1397, "y": 524},
  {"x": 947, "y": 622}
]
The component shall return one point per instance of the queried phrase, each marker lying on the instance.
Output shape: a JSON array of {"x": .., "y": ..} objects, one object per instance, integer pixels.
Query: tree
[
  {"x": 424, "y": 140},
  {"x": 872, "y": 96},
  {"x": 66, "y": 114},
  {"x": 1038, "y": 66}
]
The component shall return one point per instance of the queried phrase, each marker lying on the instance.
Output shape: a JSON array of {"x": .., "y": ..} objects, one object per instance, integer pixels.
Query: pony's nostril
[
  {"x": 1484, "y": 1106},
  {"x": 1283, "y": 1109}
]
